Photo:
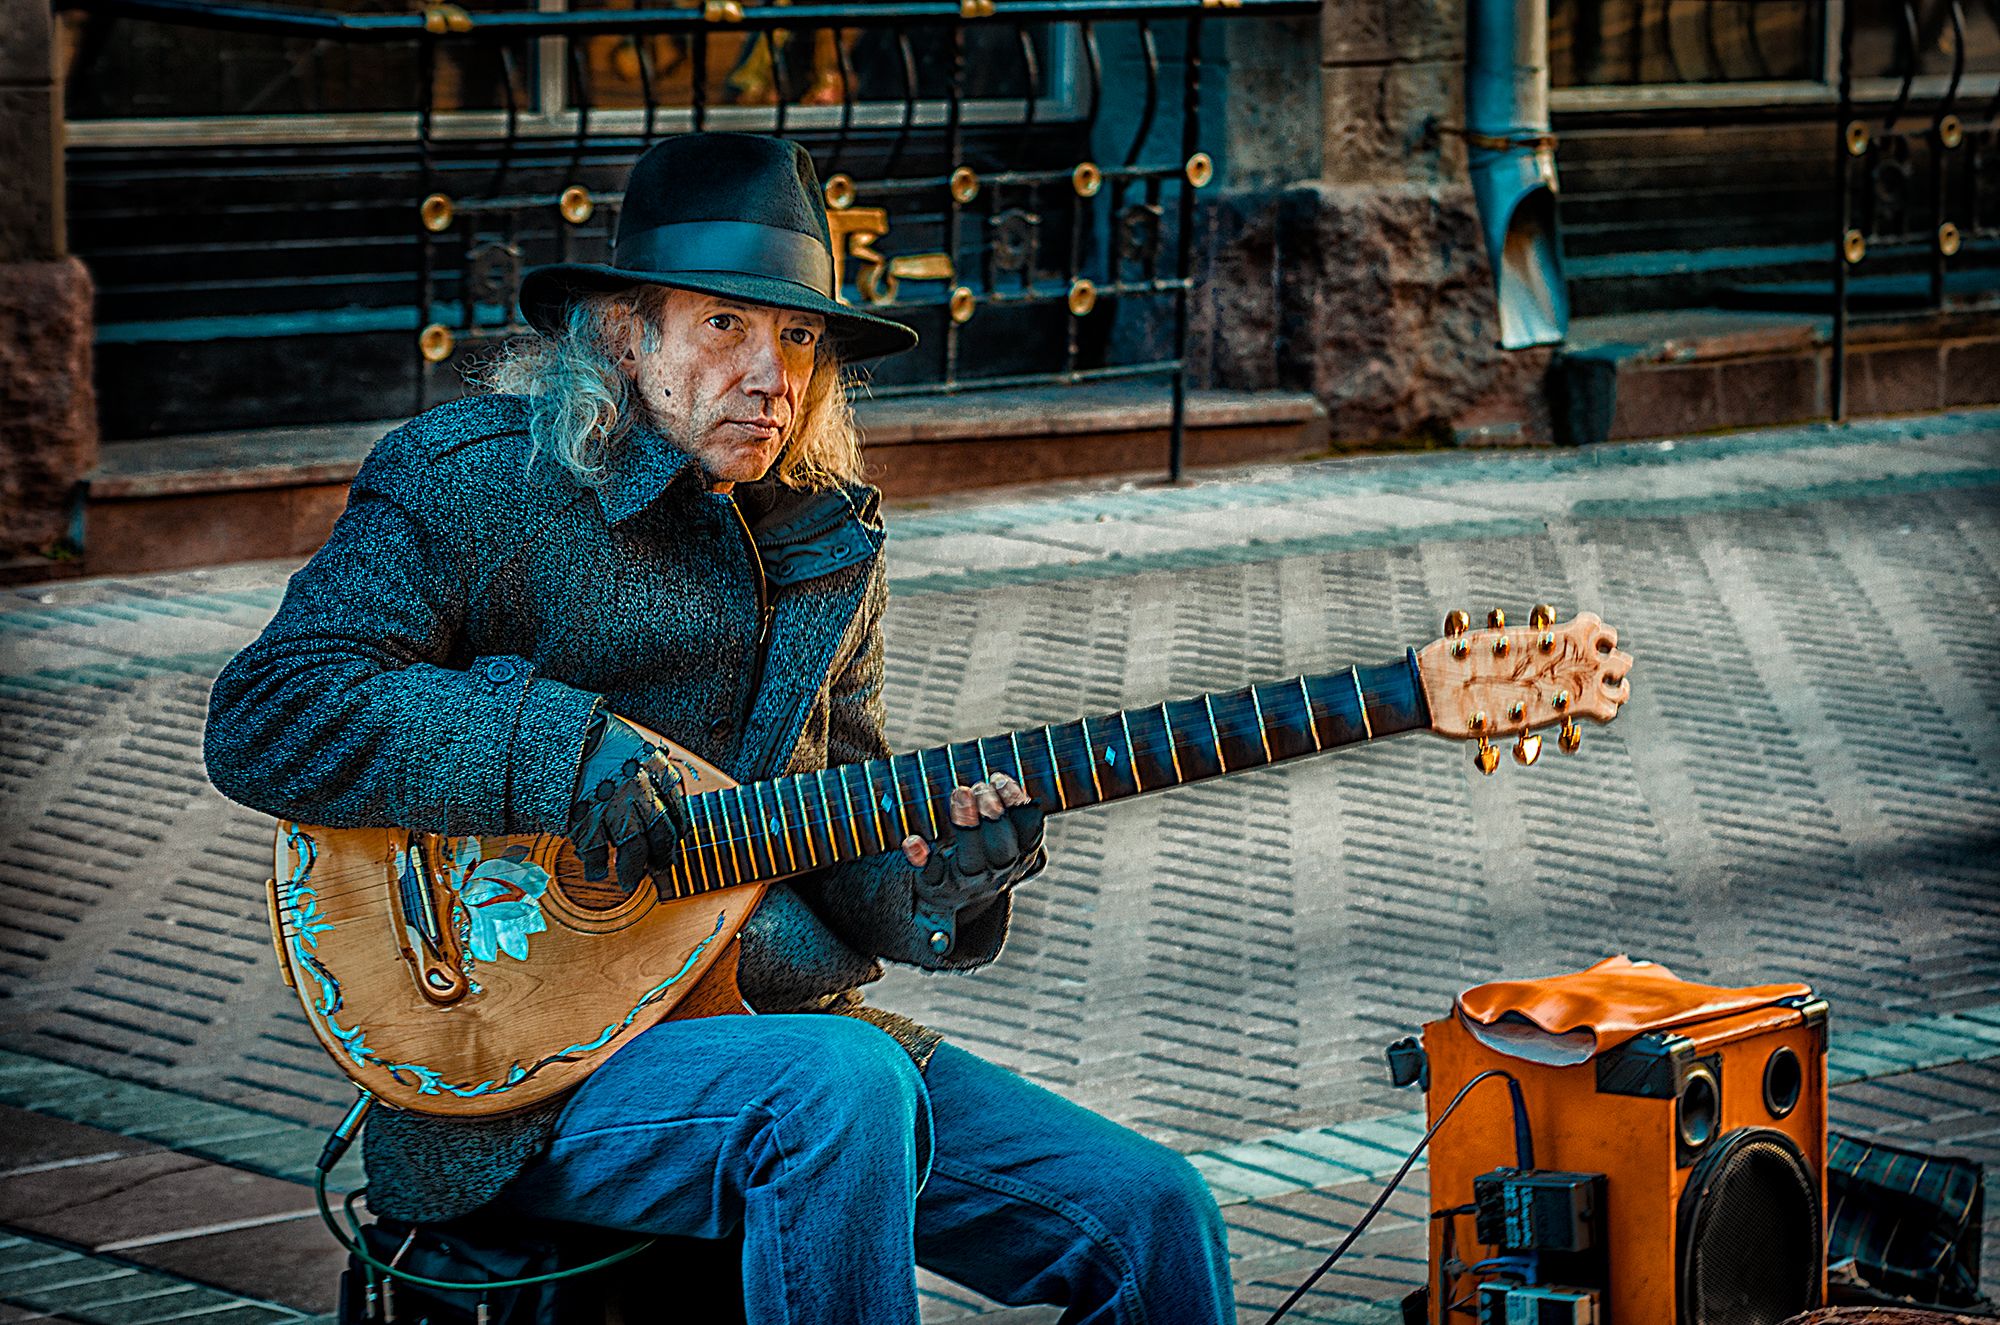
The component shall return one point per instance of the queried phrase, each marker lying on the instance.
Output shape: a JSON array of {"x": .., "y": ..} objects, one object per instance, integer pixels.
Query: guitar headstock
[{"x": 1485, "y": 684}]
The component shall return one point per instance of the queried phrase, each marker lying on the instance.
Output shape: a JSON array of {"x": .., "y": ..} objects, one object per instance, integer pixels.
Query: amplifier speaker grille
[{"x": 1749, "y": 1233}]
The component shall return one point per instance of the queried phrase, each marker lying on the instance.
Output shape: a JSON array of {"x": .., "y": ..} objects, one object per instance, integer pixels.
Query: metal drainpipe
[{"x": 1513, "y": 160}]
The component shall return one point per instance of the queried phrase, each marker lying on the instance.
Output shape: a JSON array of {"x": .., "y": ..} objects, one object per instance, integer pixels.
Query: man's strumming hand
[
  {"x": 998, "y": 844},
  {"x": 628, "y": 811}
]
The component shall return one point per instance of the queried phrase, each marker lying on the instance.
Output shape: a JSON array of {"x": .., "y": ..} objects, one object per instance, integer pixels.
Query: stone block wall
[
  {"x": 48, "y": 414},
  {"x": 1343, "y": 254}
]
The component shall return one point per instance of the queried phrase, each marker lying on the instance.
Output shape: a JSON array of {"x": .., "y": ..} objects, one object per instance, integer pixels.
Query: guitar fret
[
  {"x": 827, "y": 805},
  {"x": 749, "y": 852},
  {"x": 1312, "y": 723},
  {"x": 753, "y": 818},
  {"x": 1131, "y": 756},
  {"x": 924, "y": 785},
  {"x": 1257, "y": 707},
  {"x": 985, "y": 773},
  {"x": 874, "y": 809},
  {"x": 694, "y": 832},
  {"x": 847, "y": 796},
  {"x": 1090, "y": 758},
  {"x": 784, "y": 829},
  {"x": 805, "y": 819},
  {"x": 1214, "y": 735},
  {"x": 709, "y": 810},
  {"x": 1055, "y": 769},
  {"x": 1020, "y": 764},
  {"x": 1361, "y": 702},
  {"x": 896, "y": 792},
  {"x": 1173, "y": 746}
]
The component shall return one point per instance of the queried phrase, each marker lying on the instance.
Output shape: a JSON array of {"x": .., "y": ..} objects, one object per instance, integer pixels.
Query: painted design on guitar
[
  {"x": 301, "y": 903},
  {"x": 502, "y": 898}
]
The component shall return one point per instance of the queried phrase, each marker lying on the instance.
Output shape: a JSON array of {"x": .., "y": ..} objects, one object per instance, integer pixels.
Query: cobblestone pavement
[{"x": 1806, "y": 784}]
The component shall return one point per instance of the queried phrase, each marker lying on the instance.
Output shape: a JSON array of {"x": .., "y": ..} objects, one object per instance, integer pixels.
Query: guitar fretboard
[{"x": 770, "y": 829}]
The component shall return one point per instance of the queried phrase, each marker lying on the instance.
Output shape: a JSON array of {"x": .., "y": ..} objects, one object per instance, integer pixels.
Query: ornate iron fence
[
  {"x": 1913, "y": 207},
  {"x": 1052, "y": 245},
  {"x": 1922, "y": 176}
]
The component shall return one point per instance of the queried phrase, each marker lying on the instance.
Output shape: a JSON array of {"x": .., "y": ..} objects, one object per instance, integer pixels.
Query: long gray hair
[{"x": 582, "y": 405}]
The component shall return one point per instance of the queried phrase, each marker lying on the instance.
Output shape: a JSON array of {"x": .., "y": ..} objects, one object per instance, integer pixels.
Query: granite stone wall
[
  {"x": 1342, "y": 254},
  {"x": 48, "y": 415}
]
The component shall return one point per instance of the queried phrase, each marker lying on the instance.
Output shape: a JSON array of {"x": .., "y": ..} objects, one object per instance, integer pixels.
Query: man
[{"x": 658, "y": 515}]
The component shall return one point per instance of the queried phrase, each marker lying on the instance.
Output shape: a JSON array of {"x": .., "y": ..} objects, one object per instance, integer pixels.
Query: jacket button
[
  {"x": 501, "y": 670},
  {"x": 720, "y": 729}
]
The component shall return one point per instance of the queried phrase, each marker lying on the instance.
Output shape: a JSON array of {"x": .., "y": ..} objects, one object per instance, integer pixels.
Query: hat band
[{"x": 740, "y": 248}]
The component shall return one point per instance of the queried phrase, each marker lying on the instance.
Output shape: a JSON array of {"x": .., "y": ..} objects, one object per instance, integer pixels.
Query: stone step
[
  {"x": 1681, "y": 372},
  {"x": 219, "y": 497}
]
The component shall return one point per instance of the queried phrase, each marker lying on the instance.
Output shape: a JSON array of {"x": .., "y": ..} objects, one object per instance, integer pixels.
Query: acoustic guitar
[{"x": 478, "y": 975}]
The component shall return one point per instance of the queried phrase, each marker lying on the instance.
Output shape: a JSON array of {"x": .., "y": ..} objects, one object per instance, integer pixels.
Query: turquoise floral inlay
[
  {"x": 503, "y": 898},
  {"x": 467, "y": 874}
]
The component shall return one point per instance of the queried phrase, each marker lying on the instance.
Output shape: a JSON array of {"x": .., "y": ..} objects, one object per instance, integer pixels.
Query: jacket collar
[{"x": 644, "y": 466}]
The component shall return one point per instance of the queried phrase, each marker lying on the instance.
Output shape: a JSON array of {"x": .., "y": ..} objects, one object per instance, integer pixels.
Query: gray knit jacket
[{"x": 435, "y": 665}]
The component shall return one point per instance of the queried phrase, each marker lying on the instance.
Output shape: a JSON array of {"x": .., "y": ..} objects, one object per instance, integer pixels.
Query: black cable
[
  {"x": 1522, "y": 1145},
  {"x": 336, "y": 1146}
]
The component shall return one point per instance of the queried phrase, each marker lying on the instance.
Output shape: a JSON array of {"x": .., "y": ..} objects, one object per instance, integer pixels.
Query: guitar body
[{"x": 470, "y": 976}]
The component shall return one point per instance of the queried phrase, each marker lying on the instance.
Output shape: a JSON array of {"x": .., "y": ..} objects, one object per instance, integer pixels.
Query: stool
[{"x": 697, "y": 1278}]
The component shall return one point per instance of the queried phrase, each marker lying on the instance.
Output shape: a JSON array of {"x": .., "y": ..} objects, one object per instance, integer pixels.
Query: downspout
[{"x": 1513, "y": 160}]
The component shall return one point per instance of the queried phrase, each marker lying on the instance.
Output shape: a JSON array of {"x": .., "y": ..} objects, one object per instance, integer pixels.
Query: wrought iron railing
[
  {"x": 1013, "y": 266},
  {"x": 1923, "y": 175},
  {"x": 1912, "y": 204}
]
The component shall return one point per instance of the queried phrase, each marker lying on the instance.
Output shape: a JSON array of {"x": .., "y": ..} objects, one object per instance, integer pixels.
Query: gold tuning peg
[
  {"x": 1456, "y": 623},
  {"x": 1485, "y": 758},
  {"x": 1527, "y": 749},
  {"x": 1542, "y": 616},
  {"x": 1570, "y": 737},
  {"x": 1496, "y": 619}
]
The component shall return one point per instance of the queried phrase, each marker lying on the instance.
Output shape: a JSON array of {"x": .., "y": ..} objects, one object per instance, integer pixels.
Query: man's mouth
[{"x": 764, "y": 428}]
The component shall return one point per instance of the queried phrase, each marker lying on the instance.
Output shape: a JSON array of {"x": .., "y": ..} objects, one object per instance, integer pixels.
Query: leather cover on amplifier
[{"x": 1567, "y": 1019}]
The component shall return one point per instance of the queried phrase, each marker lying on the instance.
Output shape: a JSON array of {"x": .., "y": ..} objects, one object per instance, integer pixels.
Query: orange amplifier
[{"x": 1678, "y": 1174}]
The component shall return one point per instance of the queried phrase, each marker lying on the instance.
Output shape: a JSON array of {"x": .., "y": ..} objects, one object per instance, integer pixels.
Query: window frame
[{"x": 552, "y": 118}]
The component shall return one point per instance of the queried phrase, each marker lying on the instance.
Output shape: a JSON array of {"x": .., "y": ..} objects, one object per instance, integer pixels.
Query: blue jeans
[{"x": 845, "y": 1167}]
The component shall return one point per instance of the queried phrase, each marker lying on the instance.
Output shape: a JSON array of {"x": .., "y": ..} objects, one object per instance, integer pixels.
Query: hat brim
[{"x": 547, "y": 292}]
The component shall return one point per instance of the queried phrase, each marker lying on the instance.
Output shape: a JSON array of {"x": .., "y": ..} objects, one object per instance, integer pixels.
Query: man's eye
[
  {"x": 802, "y": 335},
  {"x": 723, "y": 321}
]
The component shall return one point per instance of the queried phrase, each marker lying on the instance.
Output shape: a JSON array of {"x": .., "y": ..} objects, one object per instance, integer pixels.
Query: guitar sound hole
[{"x": 603, "y": 894}]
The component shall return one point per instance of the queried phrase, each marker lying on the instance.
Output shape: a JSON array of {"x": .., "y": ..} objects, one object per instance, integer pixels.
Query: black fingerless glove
[
  {"x": 629, "y": 812},
  {"x": 960, "y": 881}
]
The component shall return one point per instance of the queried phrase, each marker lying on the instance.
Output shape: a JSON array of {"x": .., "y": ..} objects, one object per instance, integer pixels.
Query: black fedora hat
[{"x": 731, "y": 214}]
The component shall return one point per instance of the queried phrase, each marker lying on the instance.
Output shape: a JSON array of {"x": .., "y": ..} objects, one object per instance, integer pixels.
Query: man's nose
[{"x": 764, "y": 374}]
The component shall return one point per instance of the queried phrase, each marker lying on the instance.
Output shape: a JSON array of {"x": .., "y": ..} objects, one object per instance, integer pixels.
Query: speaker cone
[{"x": 1749, "y": 1233}]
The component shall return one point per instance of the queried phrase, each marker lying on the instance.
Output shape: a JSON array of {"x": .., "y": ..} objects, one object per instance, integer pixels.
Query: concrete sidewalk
[{"x": 1806, "y": 784}]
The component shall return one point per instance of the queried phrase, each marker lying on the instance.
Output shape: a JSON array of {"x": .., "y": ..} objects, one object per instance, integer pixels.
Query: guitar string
[{"x": 1068, "y": 746}]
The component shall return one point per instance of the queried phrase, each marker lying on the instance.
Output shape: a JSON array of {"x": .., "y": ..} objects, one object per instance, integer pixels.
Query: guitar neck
[{"x": 766, "y": 830}]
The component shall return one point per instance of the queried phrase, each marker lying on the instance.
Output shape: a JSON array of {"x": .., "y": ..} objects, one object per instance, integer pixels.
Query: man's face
[{"x": 724, "y": 379}]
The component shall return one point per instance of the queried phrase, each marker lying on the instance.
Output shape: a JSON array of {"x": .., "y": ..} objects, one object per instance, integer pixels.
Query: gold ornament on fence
[
  {"x": 436, "y": 212},
  {"x": 1857, "y": 138},
  {"x": 962, "y": 304},
  {"x": 1082, "y": 297},
  {"x": 964, "y": 185},
  {"x": 1854, "y": 247},
  {"x": 575, "y": 204},
  {"x": 1086, "y": 179},
  {"x": 1200, "y": 170},
  {"x": 435, "y": 343},
  {"x": 839, "y": 192}
]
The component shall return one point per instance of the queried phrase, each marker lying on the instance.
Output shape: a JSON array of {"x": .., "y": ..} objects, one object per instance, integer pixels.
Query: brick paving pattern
[{"x": 1806, "y": 784}]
